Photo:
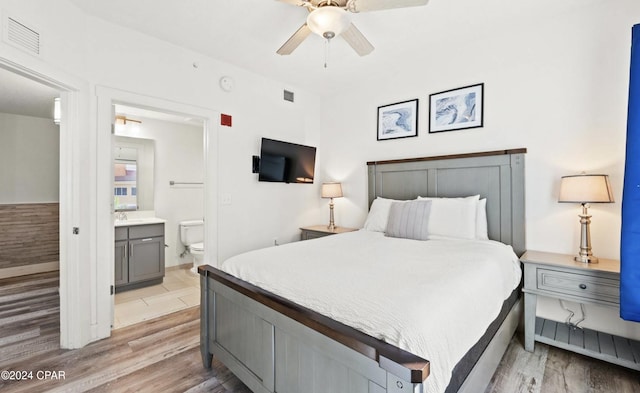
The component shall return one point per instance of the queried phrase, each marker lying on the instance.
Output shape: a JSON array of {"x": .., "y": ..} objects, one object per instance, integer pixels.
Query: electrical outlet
[{"x": 226, "y": 199}]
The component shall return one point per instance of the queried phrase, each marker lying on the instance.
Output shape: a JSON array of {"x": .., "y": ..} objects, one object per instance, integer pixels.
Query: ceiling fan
[{"x": 331, "y": 18}]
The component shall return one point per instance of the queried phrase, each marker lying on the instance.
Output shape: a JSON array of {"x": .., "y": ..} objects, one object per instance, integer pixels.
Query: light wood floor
[
  {"x": 162, "y": 355},
  {"x": 179, "y": 290},
  {"x": 552, "y": 370},
  {"x": 29, "y": 316}
]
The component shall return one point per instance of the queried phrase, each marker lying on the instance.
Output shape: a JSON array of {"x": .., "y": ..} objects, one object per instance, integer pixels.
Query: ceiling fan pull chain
[{"x": 326, "y": 52}]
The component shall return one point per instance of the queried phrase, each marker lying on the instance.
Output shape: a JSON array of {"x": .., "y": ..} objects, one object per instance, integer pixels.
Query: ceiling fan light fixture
[{"x": 328, "y": 21}]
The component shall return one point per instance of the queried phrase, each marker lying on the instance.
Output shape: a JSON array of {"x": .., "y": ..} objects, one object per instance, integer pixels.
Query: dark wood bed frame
[{"x": 275, "y": 345}]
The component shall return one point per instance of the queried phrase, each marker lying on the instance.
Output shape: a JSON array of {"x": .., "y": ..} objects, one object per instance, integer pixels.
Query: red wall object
[{"x": 225, "y": 120}]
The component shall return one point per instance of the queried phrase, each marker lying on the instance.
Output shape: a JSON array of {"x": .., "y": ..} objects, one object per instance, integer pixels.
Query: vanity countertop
[{"x": 139, "y": 221}]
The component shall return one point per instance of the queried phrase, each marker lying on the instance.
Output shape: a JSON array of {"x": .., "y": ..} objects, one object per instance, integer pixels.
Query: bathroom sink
[{"x": 139, "y": 221}]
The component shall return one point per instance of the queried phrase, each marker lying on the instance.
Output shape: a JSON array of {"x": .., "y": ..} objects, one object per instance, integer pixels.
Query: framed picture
[
  {"x": 456, "y": 109},
  {"x": 398, "y": 120}
]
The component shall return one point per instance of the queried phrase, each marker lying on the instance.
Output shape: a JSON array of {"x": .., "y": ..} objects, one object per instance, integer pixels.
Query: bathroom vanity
[
  {"x": 139, "y": 253},
  {"x": 139, "y": 235}
]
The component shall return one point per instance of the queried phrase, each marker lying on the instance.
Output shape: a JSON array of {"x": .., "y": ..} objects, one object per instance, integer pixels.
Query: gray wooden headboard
[{"x": 496, "y": 175}]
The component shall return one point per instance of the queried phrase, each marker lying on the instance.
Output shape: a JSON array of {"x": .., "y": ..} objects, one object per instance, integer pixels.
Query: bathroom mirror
[
  {"x": 133, "y": 168},
  {"x": 125, "y": 184}
]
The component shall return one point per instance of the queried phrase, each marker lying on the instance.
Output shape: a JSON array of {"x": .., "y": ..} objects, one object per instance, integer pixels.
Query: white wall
[
  {"x": 103, "y": 54},
  {"x": 261, "y": 212},
  {"x": 178, "y": 156},
  {"x": 556, "y": 85},
  {"x": 109, "y": 55},
  {"x": 29, "y": 159},
  {"x": 258, "y": 213}
]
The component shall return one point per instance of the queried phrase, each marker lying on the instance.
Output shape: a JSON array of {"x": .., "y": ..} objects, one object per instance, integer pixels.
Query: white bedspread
[{"x": 432, "y": 298}]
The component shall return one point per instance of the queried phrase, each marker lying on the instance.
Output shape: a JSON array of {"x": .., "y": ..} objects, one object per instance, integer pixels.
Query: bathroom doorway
[
  {"x": 158, "y": 181},
  {"x": 131, "y": 106}
]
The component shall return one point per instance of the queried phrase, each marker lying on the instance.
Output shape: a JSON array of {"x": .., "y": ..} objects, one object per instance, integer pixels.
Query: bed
[{"x": 274, "y": 344}]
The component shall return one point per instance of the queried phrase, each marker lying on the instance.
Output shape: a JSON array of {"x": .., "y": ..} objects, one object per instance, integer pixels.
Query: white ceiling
[
  {"x": 23, "y": 96},
  {"x": 247, "y": 34}
]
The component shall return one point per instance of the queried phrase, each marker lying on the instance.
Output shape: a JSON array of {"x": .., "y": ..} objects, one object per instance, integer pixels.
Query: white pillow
[
  {"x": 453, "y": 217},
  {"x": 379, "y": 214},
  {"x": 482, "y": 233}
]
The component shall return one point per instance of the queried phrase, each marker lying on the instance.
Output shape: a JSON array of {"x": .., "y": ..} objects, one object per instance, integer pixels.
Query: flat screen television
[{"x": 286, "y": 162}]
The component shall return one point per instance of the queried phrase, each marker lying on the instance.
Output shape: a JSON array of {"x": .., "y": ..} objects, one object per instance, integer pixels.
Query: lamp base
[
  {"x": 332, "y": 225},
  {"x": 585, "y": 255},
  {"x": 585, "y": 259}
]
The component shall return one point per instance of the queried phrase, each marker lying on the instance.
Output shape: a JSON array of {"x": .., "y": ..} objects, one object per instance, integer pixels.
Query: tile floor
[{"x": 179, "y": 290}]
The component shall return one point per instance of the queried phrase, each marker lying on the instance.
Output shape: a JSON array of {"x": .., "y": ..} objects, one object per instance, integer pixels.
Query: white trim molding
[
  {"x": 74, "y": 249},
  {"x": 104, "y": 274}
]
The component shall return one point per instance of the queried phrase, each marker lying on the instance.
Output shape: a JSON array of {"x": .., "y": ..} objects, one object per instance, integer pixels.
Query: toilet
[{"x": 192, "y": 236}]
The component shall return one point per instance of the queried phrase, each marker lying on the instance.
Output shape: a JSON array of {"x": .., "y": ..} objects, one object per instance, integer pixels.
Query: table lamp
[
  {"x": 585, "y": 189},
  {"x": 331, "y": 190}
]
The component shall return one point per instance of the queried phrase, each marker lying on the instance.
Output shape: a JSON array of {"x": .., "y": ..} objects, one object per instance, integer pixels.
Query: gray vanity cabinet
[
  {"x": 122, "y": 256},
  {"x": 146, "y": 259},
  {"x": 122, "y": 263},
  {"x": 139, "y": 256}
]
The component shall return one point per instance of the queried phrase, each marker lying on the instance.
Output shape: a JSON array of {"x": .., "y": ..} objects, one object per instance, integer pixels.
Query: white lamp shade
[
  {"x": 328, "y": 19},
  {"x": 585, "y": 189},
  {"x": 331, "y": 190}
]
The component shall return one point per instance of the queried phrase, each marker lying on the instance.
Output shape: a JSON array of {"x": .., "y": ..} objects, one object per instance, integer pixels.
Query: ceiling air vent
[
  {"x": 22, "y": 36},
  {"x": 288, "y": 95}
]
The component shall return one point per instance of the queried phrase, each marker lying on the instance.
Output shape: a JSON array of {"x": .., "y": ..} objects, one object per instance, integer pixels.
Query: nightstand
[
  {"x": 316, "y": 231},
  {"x": 559, "y": 276}
]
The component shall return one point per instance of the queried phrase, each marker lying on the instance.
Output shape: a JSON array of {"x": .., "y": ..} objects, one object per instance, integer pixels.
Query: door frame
[
  {"x": 106, "y": 98},
  {"x": 75, "y": 306}
]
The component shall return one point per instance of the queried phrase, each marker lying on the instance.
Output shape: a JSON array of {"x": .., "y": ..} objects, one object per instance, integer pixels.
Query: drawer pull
[{"x": 583, "y": 286}]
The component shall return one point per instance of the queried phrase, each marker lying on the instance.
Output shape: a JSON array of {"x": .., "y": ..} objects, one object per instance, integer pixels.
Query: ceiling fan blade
[
  {"x": 358, "y": 42},
  {"x": 375, "y": 5},
  {"x": 294, "y": 41}
]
